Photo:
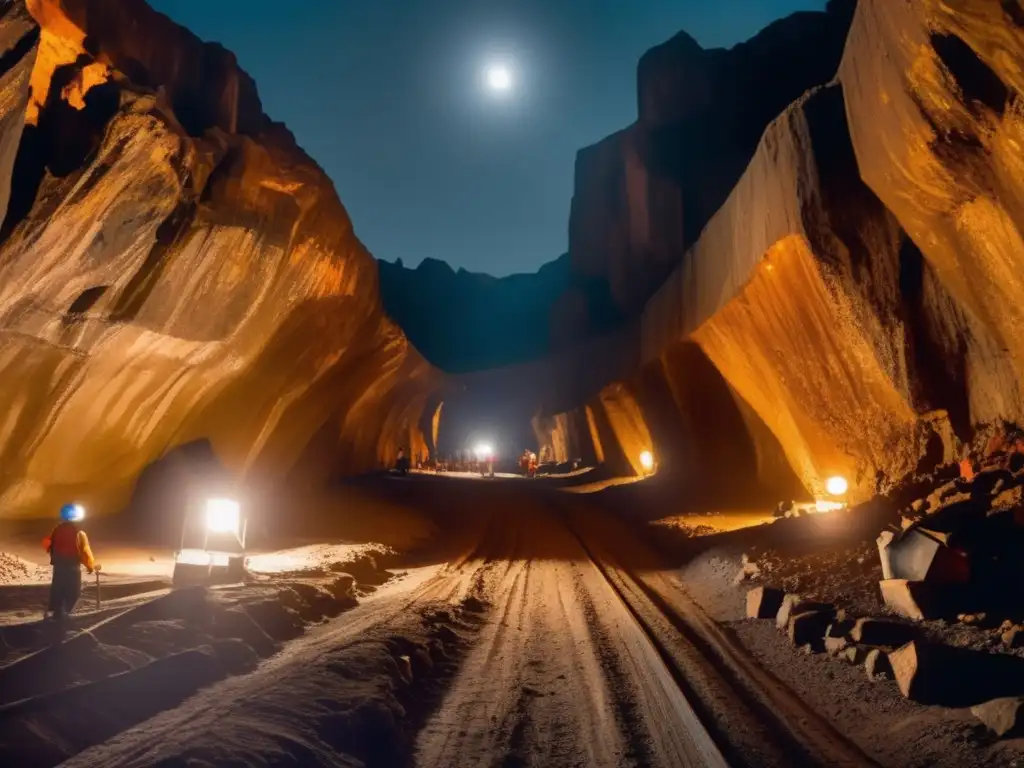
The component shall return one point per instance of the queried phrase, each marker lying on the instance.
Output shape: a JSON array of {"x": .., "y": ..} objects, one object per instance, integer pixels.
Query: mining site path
[{"x": 548, "y": 634}]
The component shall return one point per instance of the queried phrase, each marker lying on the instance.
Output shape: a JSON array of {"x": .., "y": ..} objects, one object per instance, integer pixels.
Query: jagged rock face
[
  {"x": 937, "y": 127},
  {"x": 173, "y": 267},
  {"x": 643, "y": 195},
  {"x": 857, "y": 291}
]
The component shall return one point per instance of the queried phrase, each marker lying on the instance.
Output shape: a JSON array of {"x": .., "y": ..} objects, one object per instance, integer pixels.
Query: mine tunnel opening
[{"x": 978, "y": 83}]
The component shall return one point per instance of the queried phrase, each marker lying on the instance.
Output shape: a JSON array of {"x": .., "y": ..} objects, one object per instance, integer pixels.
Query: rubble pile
[
  {"x": 956, "y": 550},
  {"x": 949, "y": 558},
  {"x": 17, "y": 570},
  {"x": 898, "y": 650}
]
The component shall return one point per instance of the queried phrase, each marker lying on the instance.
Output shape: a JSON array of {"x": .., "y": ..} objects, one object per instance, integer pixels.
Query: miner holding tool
[{"x": 69, "y": 550}]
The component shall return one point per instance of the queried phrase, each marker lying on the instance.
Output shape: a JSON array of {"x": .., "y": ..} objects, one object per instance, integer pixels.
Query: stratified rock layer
[{"x": 173, "y": 267}]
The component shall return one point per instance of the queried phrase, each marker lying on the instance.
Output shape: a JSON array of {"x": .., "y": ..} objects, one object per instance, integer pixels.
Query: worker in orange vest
[{"x": 69, "y": 550}]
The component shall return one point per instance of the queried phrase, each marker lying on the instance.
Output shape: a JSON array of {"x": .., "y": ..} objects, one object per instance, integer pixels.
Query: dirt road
[{"x": 545, "y": 634}]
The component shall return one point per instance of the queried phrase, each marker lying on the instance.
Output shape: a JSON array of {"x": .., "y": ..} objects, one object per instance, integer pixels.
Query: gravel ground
[
  {"x": 894, "y": 731},
  {"x": 16, "y": 570}
]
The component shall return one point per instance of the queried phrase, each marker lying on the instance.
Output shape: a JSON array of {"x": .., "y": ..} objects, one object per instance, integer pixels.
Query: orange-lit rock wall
[
  {"x": 857, "y": 291},
  {"x": 854, "y": 306},
  {"x": 174, "y": 267},
  {"x": 938, "y": 130}
]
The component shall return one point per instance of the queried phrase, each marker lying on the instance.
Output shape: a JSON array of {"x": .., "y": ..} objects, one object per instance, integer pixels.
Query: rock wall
[
  {"x": 856, "y": 292},
  {"x": 174, "y": 268},
  {"x": 641, "y": 198},
  {"x": 643, "y": 195}
]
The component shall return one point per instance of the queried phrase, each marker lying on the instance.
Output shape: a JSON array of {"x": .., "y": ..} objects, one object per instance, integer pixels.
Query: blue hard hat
[{"x": 72, "y": 512}]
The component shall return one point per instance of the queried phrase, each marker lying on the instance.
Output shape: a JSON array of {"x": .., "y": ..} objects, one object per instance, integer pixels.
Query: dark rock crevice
[
  {"x": 22, "y": 48},
  {"x": 62, "y": 142},
  {"x": 170, "y": 232},
  {"x": 976, "y": 80}
]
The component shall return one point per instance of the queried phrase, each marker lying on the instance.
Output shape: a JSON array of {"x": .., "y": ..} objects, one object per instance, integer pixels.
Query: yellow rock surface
[
  {"x": 174, "y": 267},
  {"x": 858, "y": 290}
]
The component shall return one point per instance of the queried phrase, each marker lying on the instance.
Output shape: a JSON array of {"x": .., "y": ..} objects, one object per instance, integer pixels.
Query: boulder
[
  {"x": 923, "y": 554},
  {"x": 808, "y": 628},
  {"x": 884, "y": 541},
  {"x": 1013, "y": 637},
  {"x": 912, "y": 599},
  {"x": 794, "y": 604},
  {"x": 764, "y": 602},
  {"x": 785, "y": 610},
  {"x": 1004, "y": 716},
  {"x": 868, "y": 631},
  {"x": 929, "y": 673},
  {"x": 910, "y": 668},
  {"x": 835, "y": 646}
]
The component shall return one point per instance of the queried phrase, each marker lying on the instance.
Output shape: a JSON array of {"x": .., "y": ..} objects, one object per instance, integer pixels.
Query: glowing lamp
[
  {"x": 222, "y": 516},
  {"x": 647, "y": 460},
  {"x": 836, "y": 486},
  {"x": 483, "y": 450}
]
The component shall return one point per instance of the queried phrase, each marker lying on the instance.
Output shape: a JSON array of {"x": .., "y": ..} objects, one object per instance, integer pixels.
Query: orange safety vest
[{"x": 68, "y": 542}]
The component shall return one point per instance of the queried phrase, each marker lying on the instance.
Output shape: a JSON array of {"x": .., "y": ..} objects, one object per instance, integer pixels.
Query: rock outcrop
[
  {"x": 643, "y": 195},
  {"x": 857, "y": 291},
  {"x": 174, "y": 268}
]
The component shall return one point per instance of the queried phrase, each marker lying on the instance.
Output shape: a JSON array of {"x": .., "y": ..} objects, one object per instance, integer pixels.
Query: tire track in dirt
[
  {"x": 753, "y": 716},
  {"x": 540, "y": 687},
  {"x": 626, "y": 707}
]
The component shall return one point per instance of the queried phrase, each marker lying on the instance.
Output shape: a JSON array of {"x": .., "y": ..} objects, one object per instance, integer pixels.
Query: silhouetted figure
[
  {"x": 69, "y": 550},
  {"x": 402, "y": 462}
]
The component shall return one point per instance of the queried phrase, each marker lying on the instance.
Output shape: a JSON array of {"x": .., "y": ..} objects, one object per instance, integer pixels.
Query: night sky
[{"x": 389, "y": 96}]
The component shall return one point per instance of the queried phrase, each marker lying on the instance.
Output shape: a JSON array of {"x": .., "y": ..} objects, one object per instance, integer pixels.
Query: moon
[{"x": 499, "y": 78}]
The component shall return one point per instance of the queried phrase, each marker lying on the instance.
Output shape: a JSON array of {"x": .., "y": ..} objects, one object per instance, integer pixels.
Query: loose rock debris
[{"x": 949, "y": 572}]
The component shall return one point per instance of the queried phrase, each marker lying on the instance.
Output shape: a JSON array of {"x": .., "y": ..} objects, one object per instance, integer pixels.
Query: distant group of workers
[
  {"x": 69, "y": 550},
  {"x": 528, "y": 463},
  {"x": 469, "y": 461}
]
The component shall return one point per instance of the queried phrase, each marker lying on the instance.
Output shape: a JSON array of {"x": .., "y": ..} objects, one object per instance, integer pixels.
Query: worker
[
  {"x": 402, "y": 462},
  {"x": 69, "y": 550}
]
